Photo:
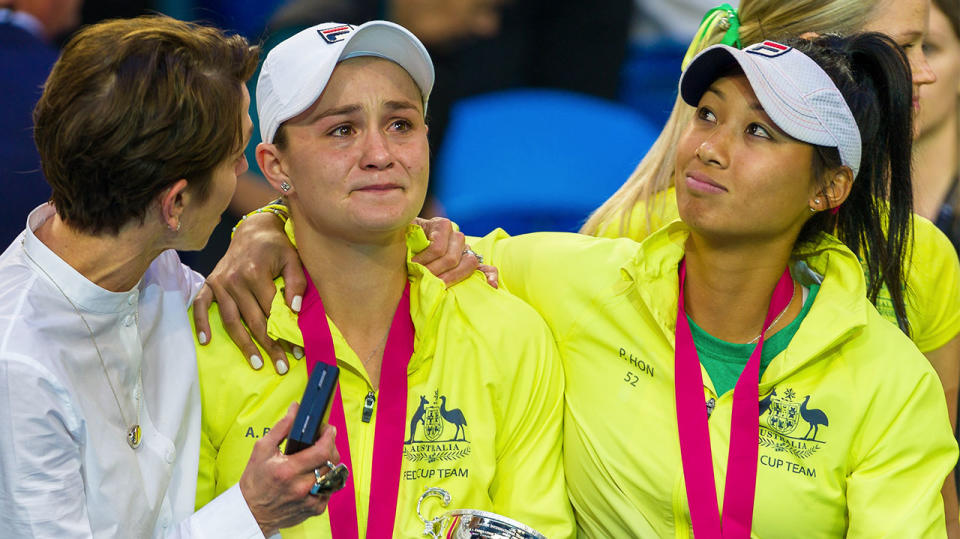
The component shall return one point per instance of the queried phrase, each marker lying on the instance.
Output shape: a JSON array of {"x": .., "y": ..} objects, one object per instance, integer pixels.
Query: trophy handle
[{"x": 430, "y": 525}]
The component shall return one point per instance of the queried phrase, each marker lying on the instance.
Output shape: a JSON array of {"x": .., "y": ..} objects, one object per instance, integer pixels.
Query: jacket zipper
[{"x": 368, "y": 407}]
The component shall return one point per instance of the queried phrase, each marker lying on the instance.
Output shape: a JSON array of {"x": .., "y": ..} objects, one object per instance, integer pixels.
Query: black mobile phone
[{"x": 313, "y": 407}]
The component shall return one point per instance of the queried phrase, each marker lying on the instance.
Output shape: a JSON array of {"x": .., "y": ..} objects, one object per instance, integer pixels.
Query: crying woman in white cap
[{"x": 456, "y": 390}]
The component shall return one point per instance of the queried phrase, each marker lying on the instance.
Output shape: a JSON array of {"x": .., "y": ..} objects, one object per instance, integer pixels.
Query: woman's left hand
[
  {"x": 242, "y": 285},
  {"x": 448, "y": 256}
]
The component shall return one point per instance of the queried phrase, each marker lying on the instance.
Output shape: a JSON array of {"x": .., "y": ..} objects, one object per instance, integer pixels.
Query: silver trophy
[{"x": 471, "y": 523}]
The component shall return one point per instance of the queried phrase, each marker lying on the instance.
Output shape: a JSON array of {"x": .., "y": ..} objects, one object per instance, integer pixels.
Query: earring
[
  {"x": 812, "y": 210},
  {"x": 284, "y": 186},
  {"x": 816, "y": 201},
  {"x": 175, "y": 229}
]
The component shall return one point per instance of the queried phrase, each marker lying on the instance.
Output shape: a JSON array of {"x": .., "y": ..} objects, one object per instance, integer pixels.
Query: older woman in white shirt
[{"x": 141, "y": 130}]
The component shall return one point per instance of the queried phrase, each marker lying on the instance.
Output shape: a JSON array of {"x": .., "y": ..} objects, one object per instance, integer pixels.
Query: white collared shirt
[{"x": 66, "y": 469}]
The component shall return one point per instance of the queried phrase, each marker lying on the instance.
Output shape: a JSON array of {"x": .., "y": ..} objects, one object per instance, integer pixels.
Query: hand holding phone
[{"x": 314, "y": 407}]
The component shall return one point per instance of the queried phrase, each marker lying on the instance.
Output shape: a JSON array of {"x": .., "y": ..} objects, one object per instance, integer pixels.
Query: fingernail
[
  {"x": 297, "y": 352},
  {"x": 256, "y": 362},
  {"x": 296, "y": 303},
  {"x": 202, "y": 338},
  {"x": 282, "y": 367}
]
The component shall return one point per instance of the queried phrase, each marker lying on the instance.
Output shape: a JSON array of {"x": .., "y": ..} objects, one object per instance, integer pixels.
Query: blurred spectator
[
  {"x": 937, "y": 148},
  {"x": 28, "y": 31}
]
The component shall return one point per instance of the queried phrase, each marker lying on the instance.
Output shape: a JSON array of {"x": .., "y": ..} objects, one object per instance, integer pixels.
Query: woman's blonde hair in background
[{"x": 759, "y": 20}]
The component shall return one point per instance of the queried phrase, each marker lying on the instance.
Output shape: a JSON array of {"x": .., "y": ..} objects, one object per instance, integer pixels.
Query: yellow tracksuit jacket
[
  {"x": 932, "y": 275},
  {"x": 484, "y": 401},
  {"x": 854, "y": 435}
]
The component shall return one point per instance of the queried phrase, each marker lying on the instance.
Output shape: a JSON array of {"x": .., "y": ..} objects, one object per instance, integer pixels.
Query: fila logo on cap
[
  {"x": 332, "y": 35},
  {"x": 770, "y": 49}
]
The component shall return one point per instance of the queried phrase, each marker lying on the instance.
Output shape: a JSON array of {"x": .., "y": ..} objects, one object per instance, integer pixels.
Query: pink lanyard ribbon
[
  {"x": 391, "y": 413},
  {"x": 741, "y": 483}
]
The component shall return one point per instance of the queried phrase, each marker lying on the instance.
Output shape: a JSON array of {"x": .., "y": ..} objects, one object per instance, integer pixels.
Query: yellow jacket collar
[{"x": 839, "y": 310}]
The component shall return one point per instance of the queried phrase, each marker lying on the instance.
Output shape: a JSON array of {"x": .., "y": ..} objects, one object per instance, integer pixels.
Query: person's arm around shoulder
[
  {"x": 242, "y": 281},
  {"x": 40, "y": 455},
  {"x": 903, "y": 453},
  {"x": 529, "y": 483}
]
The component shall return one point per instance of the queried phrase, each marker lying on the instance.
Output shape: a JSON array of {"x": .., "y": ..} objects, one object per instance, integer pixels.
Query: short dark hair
[{"x": 134, "y": 105}]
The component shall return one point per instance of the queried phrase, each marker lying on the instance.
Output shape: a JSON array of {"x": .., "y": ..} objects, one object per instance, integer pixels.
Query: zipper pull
[
  {"x": 368, "y": 407},
  {"x": 711, "y": 404}
]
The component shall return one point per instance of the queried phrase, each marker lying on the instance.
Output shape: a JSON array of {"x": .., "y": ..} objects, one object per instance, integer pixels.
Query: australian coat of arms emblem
[
  {"x": 437, "y": 431},
  {"x": 790, "y": 424}
]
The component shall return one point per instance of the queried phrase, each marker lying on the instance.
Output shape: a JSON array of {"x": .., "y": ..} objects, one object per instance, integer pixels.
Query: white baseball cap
[
  {"x": 296, "y": 71},
  {"x": 794, "y": 91}
]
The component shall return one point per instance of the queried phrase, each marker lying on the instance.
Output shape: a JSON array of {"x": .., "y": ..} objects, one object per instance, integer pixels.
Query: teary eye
[
  {"x": 401, "y": 125},
  {"x": 341, "y": 131}
]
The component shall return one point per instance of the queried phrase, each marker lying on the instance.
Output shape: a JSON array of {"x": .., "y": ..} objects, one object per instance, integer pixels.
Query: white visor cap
[
  {"x": 793, "y": 90},
  {"x": 297, "y": 70}
]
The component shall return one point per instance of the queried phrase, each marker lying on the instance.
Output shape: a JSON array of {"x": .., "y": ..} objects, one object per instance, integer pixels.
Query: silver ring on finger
[
  {"x": 330, "y": 482},
  {"x": 316, "y": 485},
  {"x": 469, "y": 251},
  {"x": 315, "y": 489}
]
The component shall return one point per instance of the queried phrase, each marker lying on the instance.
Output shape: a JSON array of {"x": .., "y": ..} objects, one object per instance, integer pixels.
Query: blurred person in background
[
  {"x": 937, "y": 148},
  {"x": 29, "y": 30},
  {"x": 31, "y": 34}
]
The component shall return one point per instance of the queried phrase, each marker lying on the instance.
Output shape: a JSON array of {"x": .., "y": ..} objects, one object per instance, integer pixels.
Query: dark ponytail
[{"x": 872, "y": 73}]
